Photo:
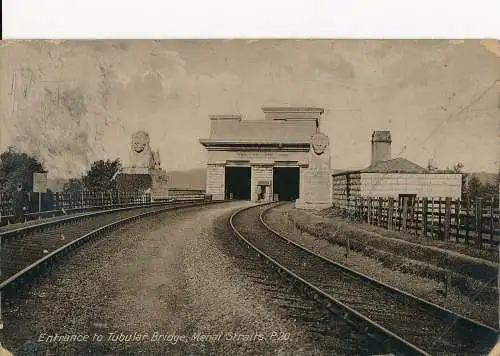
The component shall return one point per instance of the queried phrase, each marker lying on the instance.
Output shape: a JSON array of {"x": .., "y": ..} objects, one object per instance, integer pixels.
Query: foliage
[
  {"x": 472, "y": 187},
  {"x": 74, "y": 185},
  {"x": 99, "y": 176},
  {"x": 17, "y": 167},
  {"x": 431, "y": 167}
]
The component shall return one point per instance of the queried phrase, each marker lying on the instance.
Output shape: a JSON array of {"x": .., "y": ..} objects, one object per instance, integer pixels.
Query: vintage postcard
[{"x": 249, "y": 197}]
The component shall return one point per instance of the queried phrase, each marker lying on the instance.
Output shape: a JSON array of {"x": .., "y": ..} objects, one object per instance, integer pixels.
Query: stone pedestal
[
  {"x": 315, "y": 190},
  {"x": 127, "y": 182},
  {"x": 134, "y": 170},
  {"x": 159, "y": 188}
]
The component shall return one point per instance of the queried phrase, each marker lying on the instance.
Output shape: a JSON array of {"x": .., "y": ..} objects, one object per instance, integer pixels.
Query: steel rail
[
  {"x": 445, "y": 312},
  {"x": 5, "y": 235},
  {"x": 396, "y": 343},
  {"x": 50, "y": 257},
  {"x": 454, "y": 319}
]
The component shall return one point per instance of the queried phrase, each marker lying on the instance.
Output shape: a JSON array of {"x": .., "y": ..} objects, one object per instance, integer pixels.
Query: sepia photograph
[{"x": 249, "y": 197}]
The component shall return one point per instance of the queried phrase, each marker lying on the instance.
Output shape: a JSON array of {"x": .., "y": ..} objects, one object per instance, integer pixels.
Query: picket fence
[{"x": 470, "y": 222}]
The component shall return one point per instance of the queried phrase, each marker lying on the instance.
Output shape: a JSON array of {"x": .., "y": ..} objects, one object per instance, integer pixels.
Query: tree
[
  {"x": 430, "y": 166},
  {"x": 74, "y": 185},
  {"x": 99, "y": 176},
  {"x": 17, "y": 167},
  {"x": 457, "y": 168},
  {"x": 474, "y": 188}
]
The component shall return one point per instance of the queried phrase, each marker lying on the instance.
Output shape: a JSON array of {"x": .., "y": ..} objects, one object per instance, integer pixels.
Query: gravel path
[
  {"x": 422, "y": 287},
  {"x": 166, "y": 284}
]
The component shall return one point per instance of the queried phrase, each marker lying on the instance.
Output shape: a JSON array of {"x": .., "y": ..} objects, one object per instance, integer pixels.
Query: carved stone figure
[
  {"x": 315, "y": 180},
  {"x": 319, "y": 156},
  {"x": 156, "y": 157},
  {"x": 319, "y": 143},
  {"x": 141, "y": 155}
]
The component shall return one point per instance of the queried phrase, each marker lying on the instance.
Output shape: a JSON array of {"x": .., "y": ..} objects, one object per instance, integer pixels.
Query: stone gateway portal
[
  {"x": 237, "y": 181},
  {"x": 266, "y": 159}
]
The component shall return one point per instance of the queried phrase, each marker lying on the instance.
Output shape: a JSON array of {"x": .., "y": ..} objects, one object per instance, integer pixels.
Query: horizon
[{"x": 439, "y": 98}]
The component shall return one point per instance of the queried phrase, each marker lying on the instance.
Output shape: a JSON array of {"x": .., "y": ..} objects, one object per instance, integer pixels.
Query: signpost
[{"x": 40, "y": 186}]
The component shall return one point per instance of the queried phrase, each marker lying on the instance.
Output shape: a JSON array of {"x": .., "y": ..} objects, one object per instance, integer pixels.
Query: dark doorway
[
  {"x": 238, "y": 183},
  {"x": 286, "y": 182}
]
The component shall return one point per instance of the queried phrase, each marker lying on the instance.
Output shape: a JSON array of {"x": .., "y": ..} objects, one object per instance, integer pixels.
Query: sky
[{"x": 72, "y": 102}]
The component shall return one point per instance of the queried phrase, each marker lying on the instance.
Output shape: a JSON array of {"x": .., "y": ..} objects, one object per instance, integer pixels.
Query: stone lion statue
[
  {"x": 320, "y": 143},
  {"x": 141, "y": 155},
  {"x": 319, "y": 157}
]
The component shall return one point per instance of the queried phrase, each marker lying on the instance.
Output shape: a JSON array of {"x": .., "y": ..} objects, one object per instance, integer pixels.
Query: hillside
[{"x": 189, "y": 179}]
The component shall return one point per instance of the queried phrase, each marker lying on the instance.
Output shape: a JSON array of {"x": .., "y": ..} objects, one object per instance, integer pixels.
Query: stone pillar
[
  {"x": 260, "y": 172},
  {"x": 316, "y": 180},
  {"x": 216, "y": 175}
]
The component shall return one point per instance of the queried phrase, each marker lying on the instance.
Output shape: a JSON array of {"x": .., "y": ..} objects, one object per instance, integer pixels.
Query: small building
[
  {"x": 260, "y": 159},
  {"x": 392, "y": 177}
]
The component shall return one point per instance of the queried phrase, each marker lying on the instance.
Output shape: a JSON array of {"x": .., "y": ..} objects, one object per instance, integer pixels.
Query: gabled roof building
[{"x": 392, "y": 177}]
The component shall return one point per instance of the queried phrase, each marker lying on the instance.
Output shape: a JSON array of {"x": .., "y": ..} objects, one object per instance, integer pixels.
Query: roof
[
  {"x": 261, "y": 131},
  {"x": 396, "y": 165}
]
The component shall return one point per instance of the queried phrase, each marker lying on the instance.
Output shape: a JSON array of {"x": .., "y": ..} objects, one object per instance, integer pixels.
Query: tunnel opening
[
  {"x": 286, "y": 182},
  {"x": 238, "y": 181}
]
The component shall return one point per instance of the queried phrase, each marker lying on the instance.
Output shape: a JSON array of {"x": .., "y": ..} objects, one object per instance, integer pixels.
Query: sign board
[{"x": 40, "y": 182}]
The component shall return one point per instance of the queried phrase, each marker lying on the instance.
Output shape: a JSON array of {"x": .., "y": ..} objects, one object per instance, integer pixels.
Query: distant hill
[
  {"x": 484, "y": 177},
  {"x": 196, "y": 179},
  {"x": 189, "y": 179}
]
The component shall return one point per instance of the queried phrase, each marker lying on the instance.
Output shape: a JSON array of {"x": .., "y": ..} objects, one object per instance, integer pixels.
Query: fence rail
[
  {"x": 53, "y": 204},
  {"x": 469, "y": 222}
]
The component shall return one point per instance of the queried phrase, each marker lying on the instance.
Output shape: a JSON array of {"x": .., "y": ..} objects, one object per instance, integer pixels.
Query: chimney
[{"x": 381, "y": 146}]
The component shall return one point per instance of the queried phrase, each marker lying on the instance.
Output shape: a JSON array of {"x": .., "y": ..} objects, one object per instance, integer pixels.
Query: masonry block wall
[
  {"x": 260, "y": 173},
  {"x": 216, "y": 181},
  {"x": 344, "y": 187}
]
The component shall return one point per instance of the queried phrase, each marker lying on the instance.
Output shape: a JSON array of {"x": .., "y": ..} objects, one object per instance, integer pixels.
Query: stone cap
[
  {"x": 297, "y": 113},
  {"x": 225, "y": 117},
  {"x": 381, "y": 136}
]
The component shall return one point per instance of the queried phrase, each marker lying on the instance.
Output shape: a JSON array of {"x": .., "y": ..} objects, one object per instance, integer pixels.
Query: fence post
[
  {"x": 425, "y": 203},
  {"x": 390, "y": 209},
  {"x": 404, "y": 214},
  {"x": 369, "y": 211},
  {"x": 447, "y": 218},
  {"x": 379, "y": 217},
  {"x": 355, "y": 207},
  {"x": 492, "y": 225},
  {"x": 467, "y": 221},
  {"x": 478, "y": 218},
  {"x": 347, "y": 250}
]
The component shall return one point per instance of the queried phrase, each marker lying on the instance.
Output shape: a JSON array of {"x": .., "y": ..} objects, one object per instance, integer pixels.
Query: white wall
[{"x": 423, "y": 185}]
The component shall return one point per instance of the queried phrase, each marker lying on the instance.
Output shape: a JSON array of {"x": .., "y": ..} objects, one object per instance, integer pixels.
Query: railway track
[
  {"x": 28, "y": 251},
  {"x": 405, "y": 323}
]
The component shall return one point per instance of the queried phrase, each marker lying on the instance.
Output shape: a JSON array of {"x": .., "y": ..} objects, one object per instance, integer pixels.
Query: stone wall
[
  {"x": 216, "y": 181},
  {"x": 257, "y": 156},
  {"x": 345, "y": 186}
]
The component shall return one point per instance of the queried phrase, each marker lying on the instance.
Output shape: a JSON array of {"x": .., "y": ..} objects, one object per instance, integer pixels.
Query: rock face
[
  {"x": 316, "y": 180},
  {"x": 145, "y": 170}
]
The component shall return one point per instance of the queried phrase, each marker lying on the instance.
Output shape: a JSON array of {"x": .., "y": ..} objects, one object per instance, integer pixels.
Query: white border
[{"x": 35, "y": 19}]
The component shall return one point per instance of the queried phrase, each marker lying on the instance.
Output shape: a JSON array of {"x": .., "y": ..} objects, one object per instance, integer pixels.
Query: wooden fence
[
  {"x": 469, "y": 222},
  {"x": 83, "y": 199}
]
